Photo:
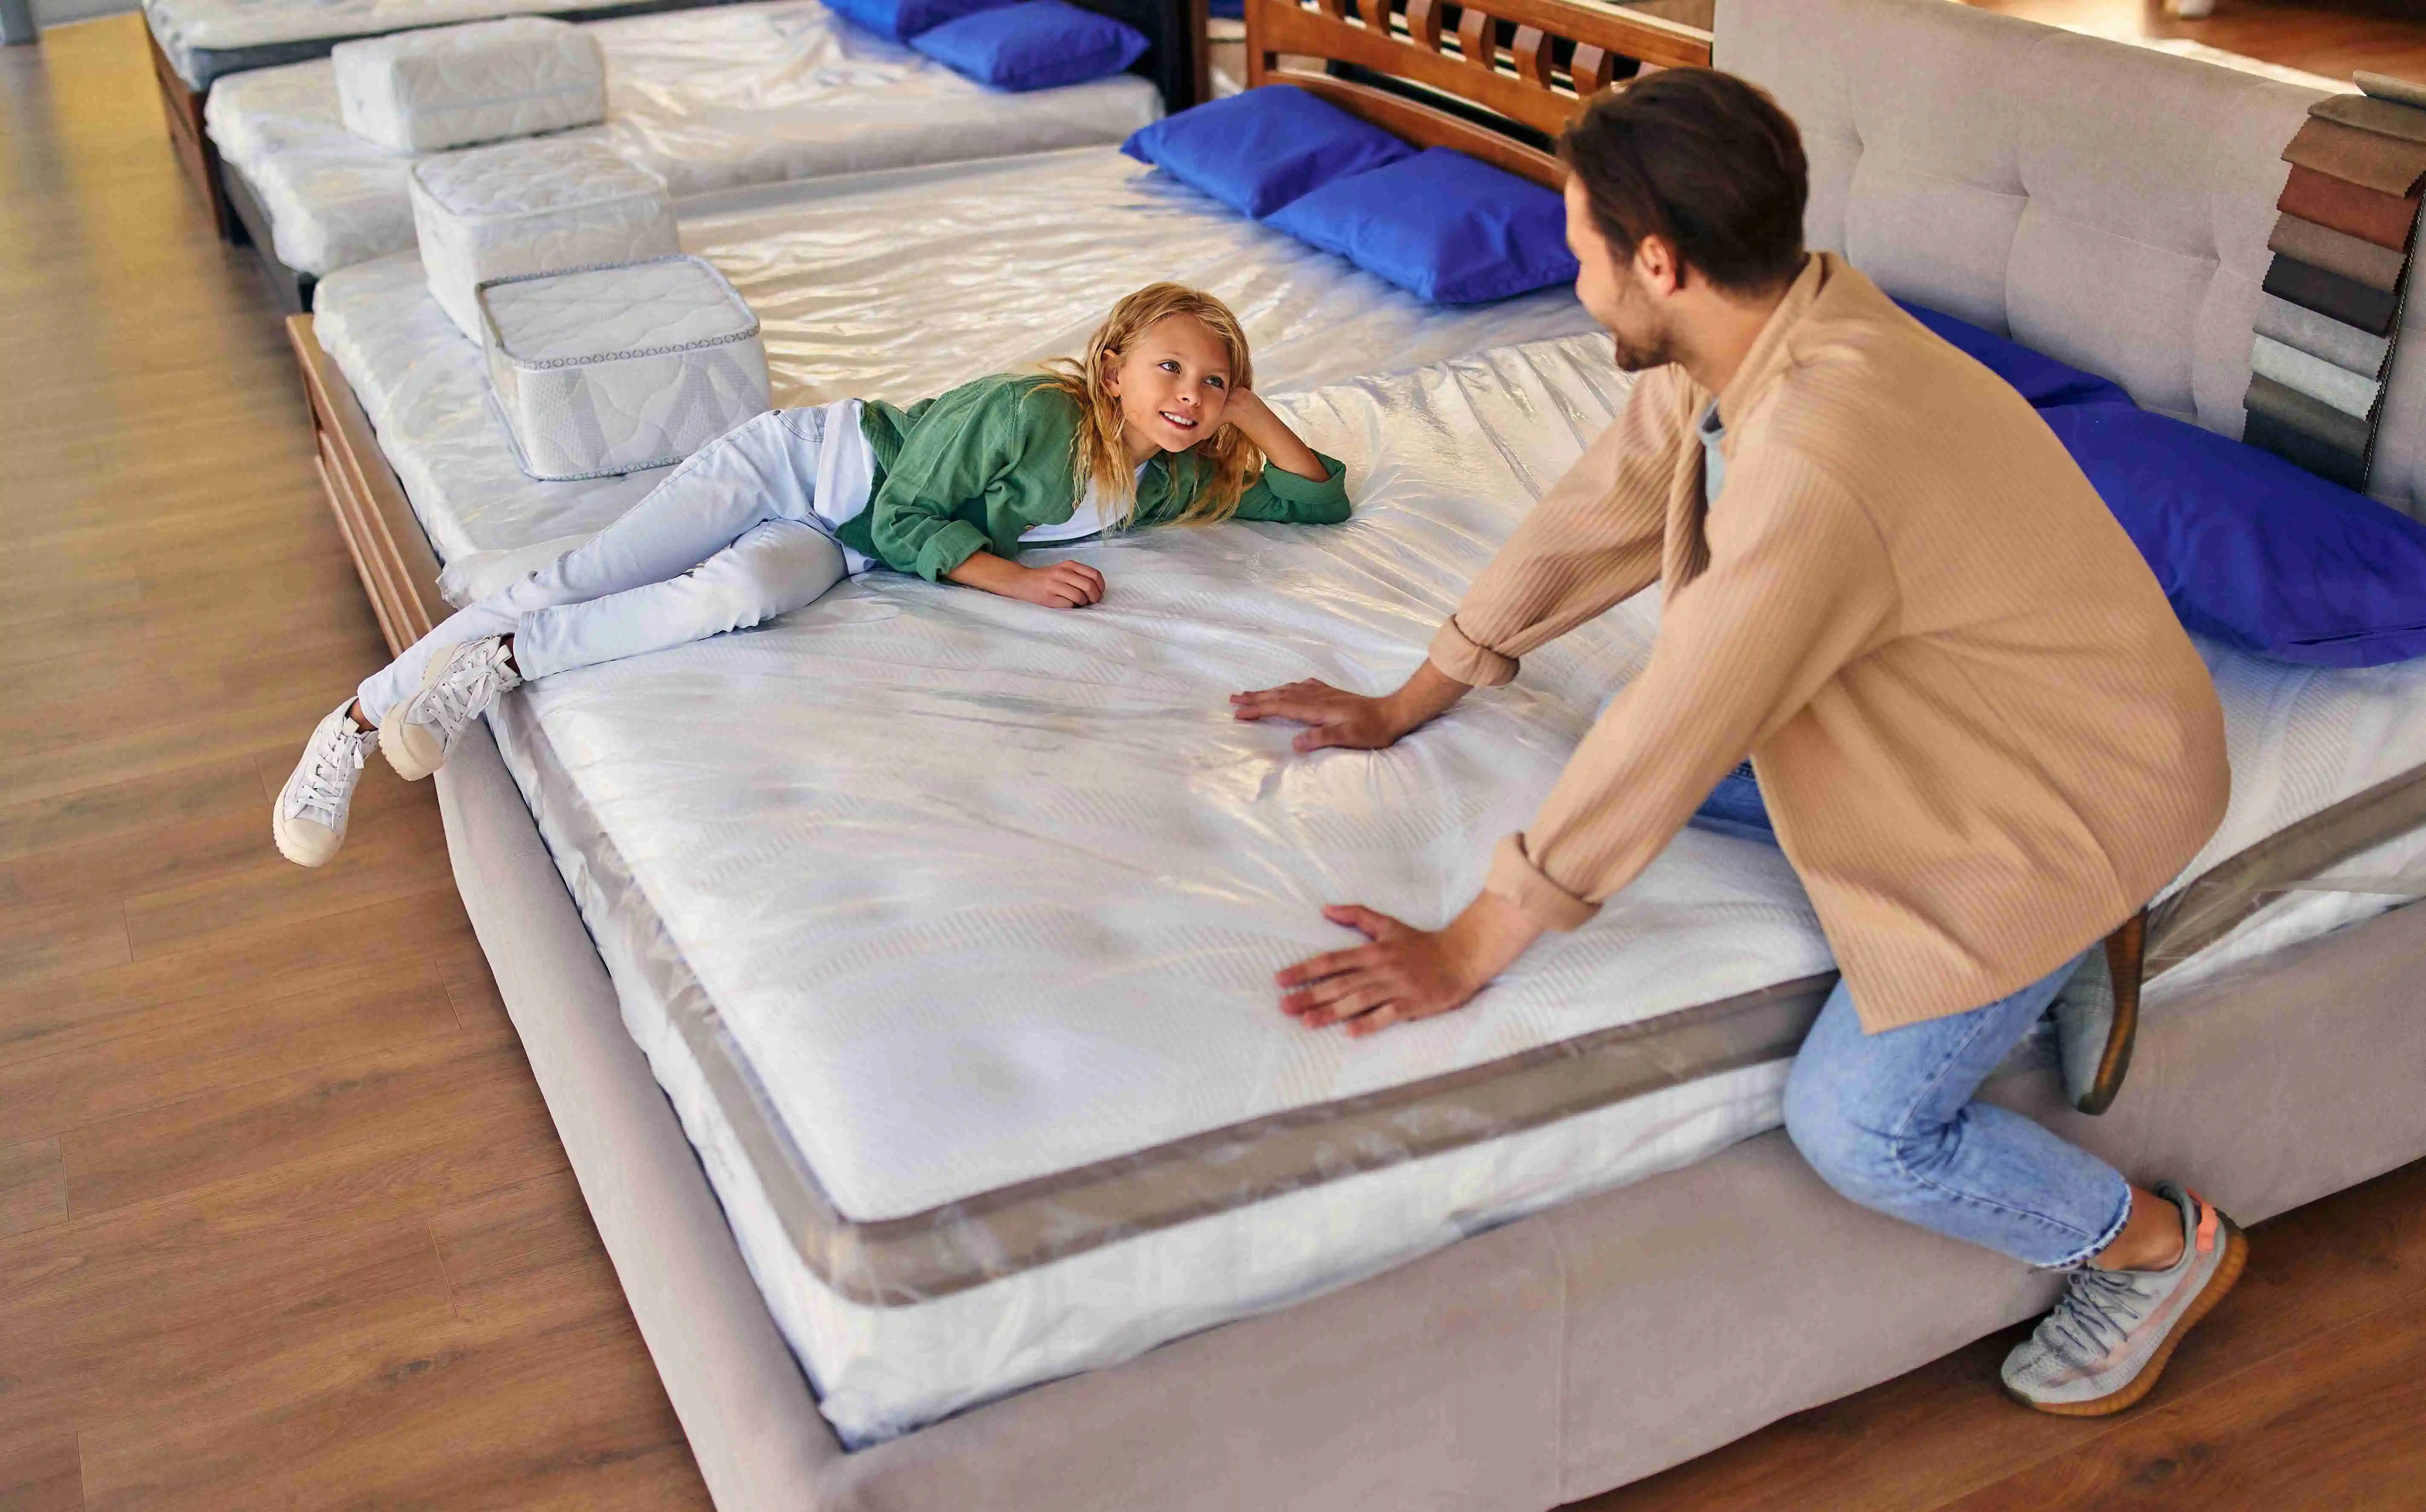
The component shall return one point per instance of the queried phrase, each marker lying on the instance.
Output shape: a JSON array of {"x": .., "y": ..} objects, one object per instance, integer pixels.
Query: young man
[{"x": 1982, "y": 737}]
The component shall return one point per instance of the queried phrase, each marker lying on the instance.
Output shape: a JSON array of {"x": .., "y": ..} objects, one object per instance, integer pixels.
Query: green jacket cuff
[{"x": 949, "y": 548}]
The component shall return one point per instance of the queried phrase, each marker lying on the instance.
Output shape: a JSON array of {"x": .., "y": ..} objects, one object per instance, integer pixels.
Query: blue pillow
[
  {"x": 2252, "y": 551},
  {"x": 2041, "y": 378},
  {"x": 1036, "y": 44},
  {"x": 900, "y": 20},
  {"x": 1441, "y": 225},
  {"x": 1257, "y": 150}
]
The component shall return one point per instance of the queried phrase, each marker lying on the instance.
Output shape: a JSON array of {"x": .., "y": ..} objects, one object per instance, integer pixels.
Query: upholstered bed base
[{"x": 1540, "y": 1362}]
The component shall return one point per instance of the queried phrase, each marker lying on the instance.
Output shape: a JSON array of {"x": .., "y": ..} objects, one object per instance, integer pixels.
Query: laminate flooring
[
  {"x": 2323, "y": 36},
  {"x": 284, "y": 1222}
]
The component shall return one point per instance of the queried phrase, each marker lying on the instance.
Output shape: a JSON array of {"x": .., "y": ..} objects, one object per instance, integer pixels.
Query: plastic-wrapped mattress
[
  {"x": 207, "y": 40},
  {"x": 425, "y": 92},
  {"x": 707, "y": 100}
]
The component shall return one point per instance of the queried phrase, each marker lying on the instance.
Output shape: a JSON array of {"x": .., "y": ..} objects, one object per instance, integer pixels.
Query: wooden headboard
[{"x": 1497, "y": 79}]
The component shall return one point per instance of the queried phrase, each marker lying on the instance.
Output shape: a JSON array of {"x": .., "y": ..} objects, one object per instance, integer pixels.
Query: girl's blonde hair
[{"x": 1222, "y": 464}]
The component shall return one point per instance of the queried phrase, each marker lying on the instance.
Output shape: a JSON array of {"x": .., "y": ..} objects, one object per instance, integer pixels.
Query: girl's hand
[
  {"x": 1061, "y": 586},
  {"x": 1271, "y": 435}
]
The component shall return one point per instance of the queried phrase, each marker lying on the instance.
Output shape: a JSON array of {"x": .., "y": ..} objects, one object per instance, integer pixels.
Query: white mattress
[
  {"x": 606, "y": 370},
  {"x": 206, "y": 39},
  {"x": 943, "y": 972},
  {"x": 709, "y": 99},
  {"x": 425, "y": 92},
  {"x": 862, "y": 289}
]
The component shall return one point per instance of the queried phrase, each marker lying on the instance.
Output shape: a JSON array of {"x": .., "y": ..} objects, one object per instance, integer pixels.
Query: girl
[{"x": 1158, "y": 425}]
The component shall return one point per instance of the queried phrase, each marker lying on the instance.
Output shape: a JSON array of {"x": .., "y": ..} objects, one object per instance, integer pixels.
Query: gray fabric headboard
[{"x": 2104, "y": 204}]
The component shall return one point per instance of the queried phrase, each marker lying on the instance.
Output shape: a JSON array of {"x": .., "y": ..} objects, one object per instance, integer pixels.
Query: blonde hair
[{"x": 1223, "y": 464}]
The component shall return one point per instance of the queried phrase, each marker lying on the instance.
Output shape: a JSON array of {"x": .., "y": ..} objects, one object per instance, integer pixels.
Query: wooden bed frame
[
  {"x": 182, "y": 104},
  {"x": 1418, "y": 61}
]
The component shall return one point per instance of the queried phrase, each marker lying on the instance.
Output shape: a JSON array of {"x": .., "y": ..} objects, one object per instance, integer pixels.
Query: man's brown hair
[{"x": 1703, "y": 160}]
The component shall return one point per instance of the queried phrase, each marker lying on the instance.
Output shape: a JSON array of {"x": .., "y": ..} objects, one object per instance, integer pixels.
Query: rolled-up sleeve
[{"x": 1592, "y": 542}]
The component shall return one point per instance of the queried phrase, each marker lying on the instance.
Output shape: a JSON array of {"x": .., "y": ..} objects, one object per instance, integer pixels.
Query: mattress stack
[
  {"x": 2322, "y": 347},
  {"x": 425, "y": 92},
  {"x": 542, "y": 205},
  {"x": 606, "y": 370}
]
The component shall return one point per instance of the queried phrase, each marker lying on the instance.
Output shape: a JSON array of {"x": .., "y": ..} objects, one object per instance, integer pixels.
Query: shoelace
[
  {"x": 329, "y": 777},
  {"x": 466, "y": 691},
  {"x": 2093, "y": 1317}
]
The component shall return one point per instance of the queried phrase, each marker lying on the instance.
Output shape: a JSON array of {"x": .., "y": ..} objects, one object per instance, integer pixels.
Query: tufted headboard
[{"x": 2105, "y": 203}]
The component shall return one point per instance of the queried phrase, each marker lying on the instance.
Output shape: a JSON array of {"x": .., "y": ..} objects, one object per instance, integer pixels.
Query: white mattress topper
[
  {"x": 708, "y": 99},
  {"x": 430, "y": 90},
  {"x": 538, "y": 177},
  {"x": 234, "y": 23},
  {"x": 590, "y": 313}
]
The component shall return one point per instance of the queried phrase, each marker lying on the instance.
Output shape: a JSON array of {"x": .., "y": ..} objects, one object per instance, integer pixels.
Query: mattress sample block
[
  {"x": 425, "y": 92},
  {"x": 538, "y": 206},
  {"x": 606, "y": 370}
]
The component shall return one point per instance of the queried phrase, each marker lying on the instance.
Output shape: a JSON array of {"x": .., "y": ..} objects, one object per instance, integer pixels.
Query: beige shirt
[{"x": 1984, "y": 739}]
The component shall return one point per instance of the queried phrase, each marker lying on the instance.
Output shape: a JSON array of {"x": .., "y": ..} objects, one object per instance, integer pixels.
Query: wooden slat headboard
[{"x": 1503, "y": 70}]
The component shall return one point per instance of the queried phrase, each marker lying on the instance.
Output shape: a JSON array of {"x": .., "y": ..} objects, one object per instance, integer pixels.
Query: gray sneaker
[
  {"x": 419, "y": 735},
  {"x": 2110, "y": 1336}
]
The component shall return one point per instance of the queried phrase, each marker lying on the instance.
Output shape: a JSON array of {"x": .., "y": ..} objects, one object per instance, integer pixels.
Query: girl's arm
[
  {"x": 1058, "y": 586},
  {"x": 1273, "y": 437}
]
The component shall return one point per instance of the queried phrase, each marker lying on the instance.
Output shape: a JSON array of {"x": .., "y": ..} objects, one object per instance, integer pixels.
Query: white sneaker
[
  {"x": 457, "y": 689},
  {"x": 309, "y": 819}
]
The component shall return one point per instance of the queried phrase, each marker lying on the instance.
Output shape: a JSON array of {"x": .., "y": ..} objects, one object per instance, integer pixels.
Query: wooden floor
[{"x": 282, "y": 1222}]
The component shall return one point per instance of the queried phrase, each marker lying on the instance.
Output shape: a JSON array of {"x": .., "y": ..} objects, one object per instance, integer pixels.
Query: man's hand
[
  {"x": 1331, "y": 716},
  {"x": 1335, "y": 717},
  {"x": 1060, "y": 586},
  {"x": 1405, "y": 972}
]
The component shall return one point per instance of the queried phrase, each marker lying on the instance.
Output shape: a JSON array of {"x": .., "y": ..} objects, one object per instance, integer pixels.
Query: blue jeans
[{"x": 1888, "y": 1118}]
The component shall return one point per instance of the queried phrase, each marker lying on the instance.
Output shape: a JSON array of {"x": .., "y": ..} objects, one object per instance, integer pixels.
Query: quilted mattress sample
[
  {"x": 707, "y": 100},
  {"x": 209, "y": 39},
  {"x": 534, "y": 206},
  {"x": 425, "y": 92},
  {"x": 602, "y": 371}
]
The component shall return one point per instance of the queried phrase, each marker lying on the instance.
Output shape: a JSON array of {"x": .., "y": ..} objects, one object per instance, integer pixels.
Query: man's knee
[{"x": 1850, "y": 1152}]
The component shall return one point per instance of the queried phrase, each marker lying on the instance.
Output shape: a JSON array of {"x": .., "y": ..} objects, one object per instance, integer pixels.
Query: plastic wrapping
[
  {"x": 971, "y": 1019},
  {"x": 898, "y": 286},
  {"x": 708, "y": 99},
  {"x": 207, "y": 39}
]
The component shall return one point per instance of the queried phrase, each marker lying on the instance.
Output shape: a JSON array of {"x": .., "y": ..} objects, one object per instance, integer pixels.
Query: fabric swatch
[
  {"x": 2385, "y": 164},
  {"x": 2382, "y": 219},
  {"x": 2346, "y": 347},
  {"x": 2382, "y": 117},
  {"x": 2330, "y": 293},
  {"x": 2309, "y": 416},
  {"x": 2316, "y": 377},
  {"x": 2385, "y": 86},
  {"x": 2361, "y": 262},
  {"x": 2348, "y": 469}
]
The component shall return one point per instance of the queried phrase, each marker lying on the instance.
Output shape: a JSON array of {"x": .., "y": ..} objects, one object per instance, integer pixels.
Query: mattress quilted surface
[
  {"x": 429, "y": 91},
  {"x": 710, "y": 99},
  {"x": 606, "y": 312}
]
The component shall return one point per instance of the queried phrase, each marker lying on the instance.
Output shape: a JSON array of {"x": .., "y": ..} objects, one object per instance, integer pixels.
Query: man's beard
[{"x": 1649, "y": 345}]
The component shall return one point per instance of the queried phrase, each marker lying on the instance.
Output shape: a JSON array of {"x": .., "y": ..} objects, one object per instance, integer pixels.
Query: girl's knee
[{"x": 1859, "y": 1161}]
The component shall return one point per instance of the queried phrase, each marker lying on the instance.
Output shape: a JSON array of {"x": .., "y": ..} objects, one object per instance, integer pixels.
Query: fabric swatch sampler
[{"x": 2321, "y": 351}]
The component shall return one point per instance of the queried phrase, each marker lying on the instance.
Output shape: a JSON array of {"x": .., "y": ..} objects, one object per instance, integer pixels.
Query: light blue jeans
[
  {"x": 731, "y": 537},
  {"x": 1889, "y": 1120}
]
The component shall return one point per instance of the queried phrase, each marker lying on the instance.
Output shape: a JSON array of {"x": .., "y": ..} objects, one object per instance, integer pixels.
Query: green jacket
[{"x": 971, "y": 470}]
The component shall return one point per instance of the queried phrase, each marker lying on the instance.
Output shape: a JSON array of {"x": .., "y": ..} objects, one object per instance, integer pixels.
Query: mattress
[
  {"x": 605, "y": 370},
  {"x": 207, "y": 40},
  {"x": 860, "y": 287},
  {"x": 707, "y": 100},
  {"x": 426, "y": 91},
  {"x": 536, "y": 206}
]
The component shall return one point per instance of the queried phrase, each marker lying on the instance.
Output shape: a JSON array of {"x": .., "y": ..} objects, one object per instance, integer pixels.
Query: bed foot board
[
  {"x": 399, "y": 571},
  {"x": 182, "y": 106}
]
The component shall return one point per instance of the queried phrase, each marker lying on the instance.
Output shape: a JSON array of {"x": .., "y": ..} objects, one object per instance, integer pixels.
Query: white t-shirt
[{"x": 1086, "y": 520}]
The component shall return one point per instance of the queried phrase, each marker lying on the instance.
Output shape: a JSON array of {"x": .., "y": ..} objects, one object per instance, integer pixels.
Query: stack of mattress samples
[{"x": 2333, "y": 293}]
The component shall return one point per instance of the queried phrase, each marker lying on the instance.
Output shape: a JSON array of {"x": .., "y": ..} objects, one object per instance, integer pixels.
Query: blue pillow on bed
[
  {"x": 1441, "y": 225},
  {"x": 1036, "y": 44},
  {"x": 2041, "y": 378},
  {"x": 2252, "y": 551},
  {"x": 1257, "y": 150},
  {"x": 901, "y": 20}
]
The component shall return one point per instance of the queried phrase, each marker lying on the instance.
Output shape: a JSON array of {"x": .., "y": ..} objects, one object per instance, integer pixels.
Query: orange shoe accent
[{"x": 2205, "y": 1223}]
